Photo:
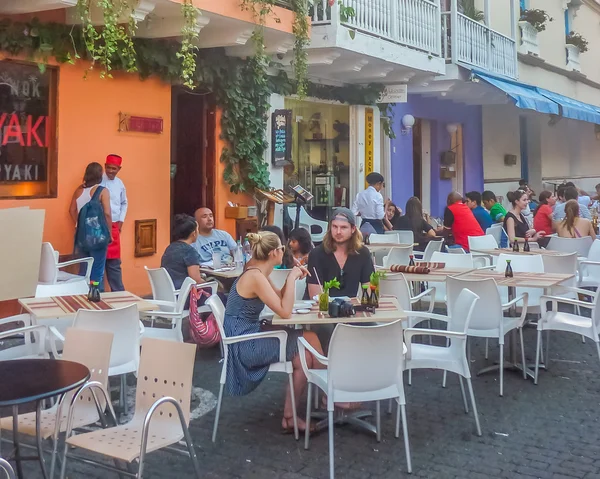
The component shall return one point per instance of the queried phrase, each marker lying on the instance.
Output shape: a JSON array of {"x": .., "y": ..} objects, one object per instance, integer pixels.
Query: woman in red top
[{"x": 542, "y": 217}]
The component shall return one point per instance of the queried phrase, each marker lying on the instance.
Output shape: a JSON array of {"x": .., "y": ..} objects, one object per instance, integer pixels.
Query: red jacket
[{"x": 464, "y": 224}]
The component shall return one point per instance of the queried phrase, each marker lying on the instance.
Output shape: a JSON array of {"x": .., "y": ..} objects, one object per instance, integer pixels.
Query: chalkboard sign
[{"x": 281, "y": 141}]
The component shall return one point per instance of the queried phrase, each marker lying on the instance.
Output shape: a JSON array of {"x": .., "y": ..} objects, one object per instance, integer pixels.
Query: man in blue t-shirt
[
  {"x": 211, "y": 240},
  {"x": 481, "y": 214}
]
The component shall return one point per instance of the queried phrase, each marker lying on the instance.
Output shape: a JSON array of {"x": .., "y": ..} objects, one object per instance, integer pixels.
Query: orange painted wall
[
  {"x": 88, "y": 112},
  {"x": 222, "y": 192}
]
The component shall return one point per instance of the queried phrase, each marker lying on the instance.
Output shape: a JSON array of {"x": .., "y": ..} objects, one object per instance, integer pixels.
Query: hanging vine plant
[
  {"x": 113, "y": 39},
  {"x": 300, "y": 30},
  {"x": 189, "y": 35}
]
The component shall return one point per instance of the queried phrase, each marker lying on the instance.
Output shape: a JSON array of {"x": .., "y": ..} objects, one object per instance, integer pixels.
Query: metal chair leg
[
  {"x": 191, "y": 450},
  {"x": 475, "y": 413},
  {"x": 464, "y": 396},
  {"x": 547, "y": 363},
  {"x": 501, "y": 346},
  {"x": 390, "y": 406},
  {"x": 524, "y": 363},
  {"x": 406, "y": 439},
  {"x": 38, "y": 438},
  {"x": 214, "y": 435},
  {"x": 378, "y": 421},
  {"x": 295, "y": 414},
  {"x": 331, "y": 447},
  {"x": 487, "y": 342},
  {"x": 398, "y": 412},
  {"x": 308, "y": 404},
  {"x": 537, "y": 357}
]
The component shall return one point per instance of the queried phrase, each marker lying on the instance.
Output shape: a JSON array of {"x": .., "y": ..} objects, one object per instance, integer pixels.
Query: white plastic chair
[
  {"x": 316, "y": 228},
  {"x": 279, "y": 276},
  {"x": 589, "y": 269},
  {"x": 398, "y": 287},
  {"x": 522, "y": 264},
  {"x": 7, "y": 469},
  {"x": 487, "y": 318},
  {"x": 569, "y": 245},
  {"x": 555, "y": 320},
  {"x": 34, "y": 339},
  {"x": 453, "y": 261},
  {"x": 364, "y": 364},
  {"x": 405, "y": 236},
  {"x": 453, "y": 357},
  {"x": 457, "y": 250},
  {"x": 126, "y": 327},
  {"x": 171, "y": 304},
  {"x": 432, "y": 247},
  {"x": 391, "y": 238},
  {"x": 398, "y": 255},
  {"x": 496, "y": 231},
  {"x": 482, "y": 242},
  {"x": 283, "y": 366},
  {"x": 50, "y": 268}
]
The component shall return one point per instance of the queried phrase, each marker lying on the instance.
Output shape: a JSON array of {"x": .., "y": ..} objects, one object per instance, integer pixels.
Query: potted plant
[
  {"x": 375, "y": 278},
  {"x": 324, "y": 296},
  {"x": 536, "y": 18},
  {"x": 578, "y": 41}
]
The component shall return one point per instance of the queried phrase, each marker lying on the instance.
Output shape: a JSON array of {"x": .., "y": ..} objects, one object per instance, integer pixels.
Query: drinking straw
[{"x": 318, "y": 280}]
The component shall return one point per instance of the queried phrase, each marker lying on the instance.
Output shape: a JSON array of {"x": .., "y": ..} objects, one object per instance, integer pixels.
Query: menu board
[{"x": 281, "y": 141}]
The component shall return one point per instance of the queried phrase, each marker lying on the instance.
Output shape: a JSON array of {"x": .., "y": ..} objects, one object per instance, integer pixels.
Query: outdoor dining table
[
  {"x": 519, "y": 280},
  {"x": 536, "y": 251},
  {"x": 64, "y": 306},
  {"x": 223, "y": 273},
  {"x": 34, "y": 380},
  {"x": 389, "y": 311},
  {"x": 377, "y": 247}
]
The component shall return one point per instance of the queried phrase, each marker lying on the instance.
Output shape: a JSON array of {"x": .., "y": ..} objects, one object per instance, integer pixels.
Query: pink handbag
[{"x": 205, "y": 333}]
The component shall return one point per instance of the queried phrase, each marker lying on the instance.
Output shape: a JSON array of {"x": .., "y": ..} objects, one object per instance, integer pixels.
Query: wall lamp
[{"x": 408, "y": 121}]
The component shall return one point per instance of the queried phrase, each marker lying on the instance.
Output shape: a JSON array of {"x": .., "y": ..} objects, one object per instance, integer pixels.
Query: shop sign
[
  {"x": 394, "y": 94},
  {"x": 140, "y": 124},
  {"x": 369, "y": 142},
  {"x": 281, "y": 137},
  {"x": 25, "y": 123}
]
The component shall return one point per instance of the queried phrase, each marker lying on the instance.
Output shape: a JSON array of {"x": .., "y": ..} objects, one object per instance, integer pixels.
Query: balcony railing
[
  {"x": 475, "y": 44},
  {"x": 411, "y": 23}
]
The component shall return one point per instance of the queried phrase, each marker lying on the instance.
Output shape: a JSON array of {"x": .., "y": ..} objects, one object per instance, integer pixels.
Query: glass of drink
[
  {"x": 324, "y": 302},
  {"x": 216, "y": 257}
]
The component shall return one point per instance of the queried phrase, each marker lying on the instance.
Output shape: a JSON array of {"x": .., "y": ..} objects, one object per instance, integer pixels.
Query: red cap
[{"x": 114, "y": 160}]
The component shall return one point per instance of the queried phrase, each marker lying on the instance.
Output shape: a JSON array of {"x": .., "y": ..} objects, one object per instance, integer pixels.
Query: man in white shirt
[
  {"x": 369, "y": 204},
  {"x": 211, "y": 240},
  {"x": 118, "y": 207}
]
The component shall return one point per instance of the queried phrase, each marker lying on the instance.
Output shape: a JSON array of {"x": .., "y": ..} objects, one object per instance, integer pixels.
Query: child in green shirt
[{"x": 497, "y": 212}]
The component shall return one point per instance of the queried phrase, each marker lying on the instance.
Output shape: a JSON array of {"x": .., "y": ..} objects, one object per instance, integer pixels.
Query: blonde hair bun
[{"x": 263, "y": 243}]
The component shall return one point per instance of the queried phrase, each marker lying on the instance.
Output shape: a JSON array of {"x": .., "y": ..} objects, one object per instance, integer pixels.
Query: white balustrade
[
  {"x": 573, "y": 58},
  {"x": 473, "y": 43},
  {"x": 412, "y": 23},
  {"x": 529, "y": 39}
]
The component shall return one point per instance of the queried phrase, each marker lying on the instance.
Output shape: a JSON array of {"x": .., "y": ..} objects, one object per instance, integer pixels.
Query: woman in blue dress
[{"x": 248, "y": 362}]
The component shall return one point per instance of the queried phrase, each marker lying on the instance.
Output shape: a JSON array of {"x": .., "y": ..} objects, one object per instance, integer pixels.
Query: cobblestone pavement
[{"x": 545, "y": 431}]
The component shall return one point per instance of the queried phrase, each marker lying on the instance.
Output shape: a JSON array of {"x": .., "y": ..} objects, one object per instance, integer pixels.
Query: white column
[
  {"x": 275, "y": 172},
  {"x": 454, "y": 29}
]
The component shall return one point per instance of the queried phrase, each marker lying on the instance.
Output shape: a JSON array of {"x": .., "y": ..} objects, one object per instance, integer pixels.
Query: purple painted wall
[{"x": 439, "y": 113}]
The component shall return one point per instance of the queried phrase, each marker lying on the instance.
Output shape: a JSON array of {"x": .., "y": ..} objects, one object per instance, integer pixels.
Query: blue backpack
[{"x": 92, "y": 231}]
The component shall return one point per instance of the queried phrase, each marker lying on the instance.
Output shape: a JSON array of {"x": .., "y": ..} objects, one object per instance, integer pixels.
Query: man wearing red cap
[{"x": 118, "y": 206}]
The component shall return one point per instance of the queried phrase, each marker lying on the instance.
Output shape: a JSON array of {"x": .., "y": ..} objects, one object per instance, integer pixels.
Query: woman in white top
[{"x": 83, "y": 194}]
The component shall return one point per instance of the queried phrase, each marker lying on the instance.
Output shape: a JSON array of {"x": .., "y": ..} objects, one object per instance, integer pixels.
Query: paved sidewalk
[{"x": 547, "y": 431}]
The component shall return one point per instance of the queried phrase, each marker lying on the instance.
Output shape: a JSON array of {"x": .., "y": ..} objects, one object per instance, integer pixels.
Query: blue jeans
[{"x": 97, "y": 273}]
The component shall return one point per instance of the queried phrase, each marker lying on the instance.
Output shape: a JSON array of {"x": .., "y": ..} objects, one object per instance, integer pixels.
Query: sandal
[{"x": 289, "y": 426}]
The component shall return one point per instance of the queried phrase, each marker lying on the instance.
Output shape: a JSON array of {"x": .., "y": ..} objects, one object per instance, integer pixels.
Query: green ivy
[
  {"x": 241, "y": 87},
  {"x": 189, "y": 35}
]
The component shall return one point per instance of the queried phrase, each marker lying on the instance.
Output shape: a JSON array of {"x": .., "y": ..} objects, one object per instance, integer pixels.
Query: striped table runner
[
  {"x": 385, "y": 304},
  {"x": 71, "y": 304}
]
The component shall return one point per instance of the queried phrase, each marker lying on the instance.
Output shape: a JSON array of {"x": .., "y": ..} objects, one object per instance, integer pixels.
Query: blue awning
[
  {"x": 575, "y": 109},
  {"x": 524, "y": 96},
  {"x": 542, "y": 100}
]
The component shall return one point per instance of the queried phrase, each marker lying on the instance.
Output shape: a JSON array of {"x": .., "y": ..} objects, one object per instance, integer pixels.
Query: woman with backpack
[{"x": 90, "y": 210}]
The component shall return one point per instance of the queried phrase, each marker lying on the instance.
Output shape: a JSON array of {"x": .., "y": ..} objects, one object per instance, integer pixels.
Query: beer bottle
[{"x": 509, "y": 272}]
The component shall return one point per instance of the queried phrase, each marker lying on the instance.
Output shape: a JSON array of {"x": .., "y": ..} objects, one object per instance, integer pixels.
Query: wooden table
[
  {"x": 64, "y": 306},
  {"x": 34, "y": 380},
  {"x": 224, "y": 273},
  {"x": 499, "y": 251},
  {"x": 434, "y": 276},
  {"x": 377, "y": 247},
  {"x": 389, "y": 311},
  {"x": 519, "y": 280}
]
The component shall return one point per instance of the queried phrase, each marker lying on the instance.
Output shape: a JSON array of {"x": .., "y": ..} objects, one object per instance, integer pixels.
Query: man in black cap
[
  {"x": 369, "y": 204},
  {"x": 342, "y": 255}
]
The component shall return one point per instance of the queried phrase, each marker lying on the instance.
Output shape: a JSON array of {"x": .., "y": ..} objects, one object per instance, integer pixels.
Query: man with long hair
[{"x": 342, "y": 255}]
